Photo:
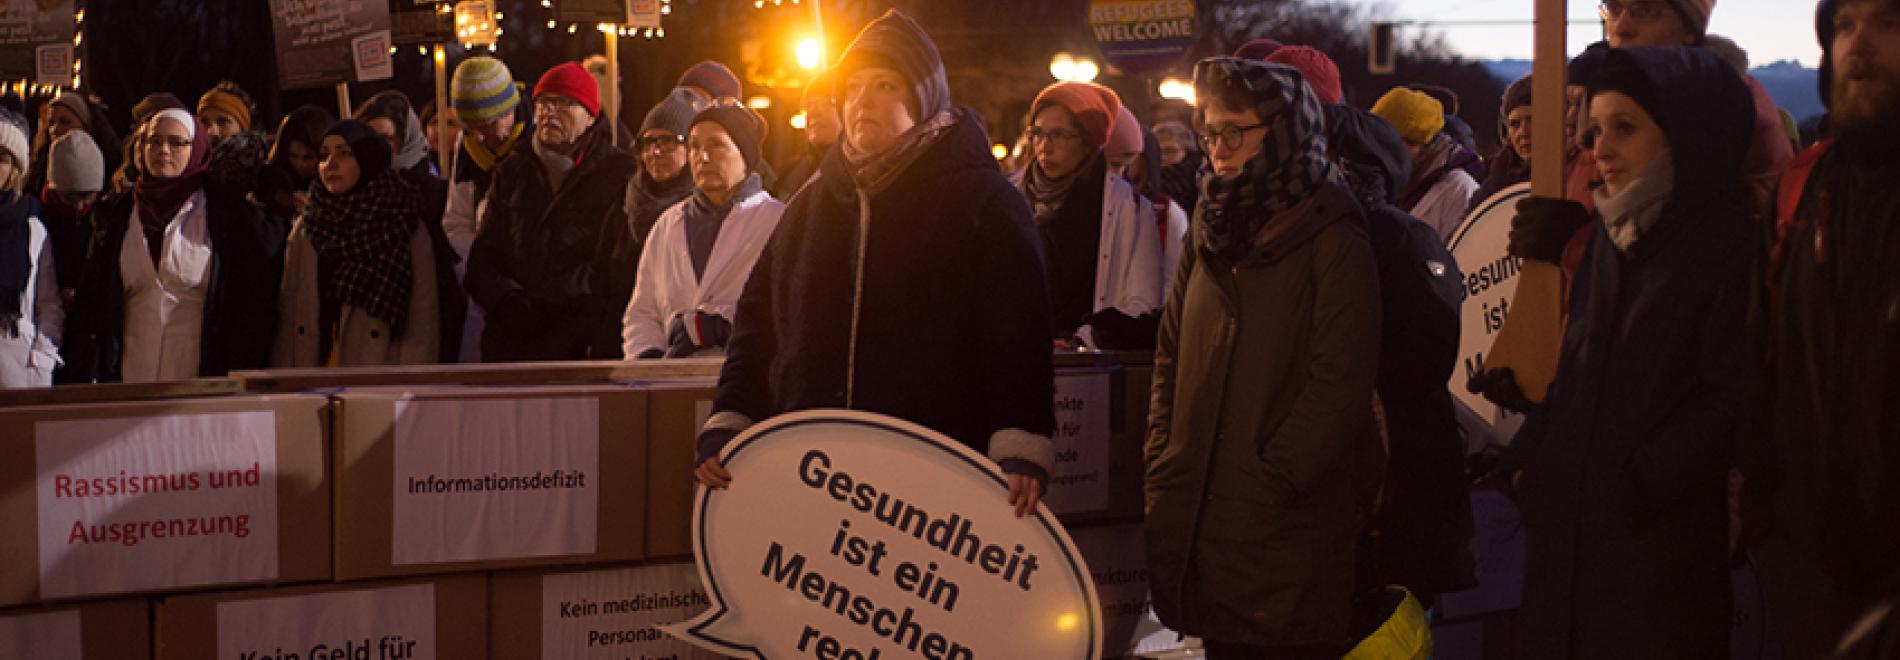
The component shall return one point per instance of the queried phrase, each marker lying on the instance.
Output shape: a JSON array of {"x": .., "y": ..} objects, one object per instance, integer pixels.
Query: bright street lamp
[
  {"x": 1178, "y": 89},
  {"x": 1069, "y": 68},
  {"x": 808, "y": 53}
]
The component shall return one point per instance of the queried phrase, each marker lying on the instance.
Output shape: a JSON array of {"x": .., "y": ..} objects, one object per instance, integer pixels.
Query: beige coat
[{"x": 362, "y": 339}]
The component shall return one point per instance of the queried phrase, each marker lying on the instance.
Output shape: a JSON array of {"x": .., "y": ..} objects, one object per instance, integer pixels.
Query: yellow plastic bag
[{"x": 1406, "y": 635}]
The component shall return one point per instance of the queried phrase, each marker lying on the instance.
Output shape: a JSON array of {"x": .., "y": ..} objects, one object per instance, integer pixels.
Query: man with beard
[{"x": 1822, "y": 501}]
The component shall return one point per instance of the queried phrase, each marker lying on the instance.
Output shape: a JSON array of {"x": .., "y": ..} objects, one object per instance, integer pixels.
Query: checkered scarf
[
  {"x": 364, "y": 235},
  {"x": 1290, "y": 167}
]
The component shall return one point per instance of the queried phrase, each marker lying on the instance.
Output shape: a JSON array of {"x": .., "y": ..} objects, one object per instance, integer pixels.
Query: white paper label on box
[
  {"x": 614, "y": 614},
  {"x": 488, "y": 479},
  {"x": 142, "y": 503},
  {"x": 1079, "y": 483},
  {"x": 1120, "y": 569},
  {"x": 393, "y": 623},
  {"x": 41, "y": 636}
]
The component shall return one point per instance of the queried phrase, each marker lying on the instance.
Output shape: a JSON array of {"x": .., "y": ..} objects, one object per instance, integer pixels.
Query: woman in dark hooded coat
[
  {"x": 1261, "y": 456},
  {"x": 1622, "y": 473},
  {"x": 911, "y": 196}
]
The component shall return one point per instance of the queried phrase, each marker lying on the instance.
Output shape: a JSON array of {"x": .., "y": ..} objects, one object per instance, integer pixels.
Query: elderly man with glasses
[{"x": 550, "y": 263}]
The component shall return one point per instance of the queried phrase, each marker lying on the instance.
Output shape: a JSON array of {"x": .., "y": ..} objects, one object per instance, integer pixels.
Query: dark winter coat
[
  {"x": 1424, "y": 523},
  {"x": 953, "y": 319},
  {"x": 1624, "y": 466},
  {"x": 543, "y": 265},
  {"x": 240, "y": 314},
  {"x": 1260, "y": 429},
  {"x": 1824, "y": 489}
]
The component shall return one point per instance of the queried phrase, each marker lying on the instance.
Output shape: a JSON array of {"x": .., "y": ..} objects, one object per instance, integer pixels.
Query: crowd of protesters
[{"x": 1729, "y": 367}]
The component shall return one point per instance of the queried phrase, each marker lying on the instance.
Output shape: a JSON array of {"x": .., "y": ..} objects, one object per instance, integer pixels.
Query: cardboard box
[
  {"x": 485, "y": 478},
  {"x": 445, "y": 617},
  {"x": 601, "y": 613},
  {"x": 677, "y": 411},
  {"x": 97, "y": 630},
  {"x": 119, "y": 498}
]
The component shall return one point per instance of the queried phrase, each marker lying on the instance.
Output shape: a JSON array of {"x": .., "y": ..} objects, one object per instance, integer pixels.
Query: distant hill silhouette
[{"x": 1791, "y": 85}]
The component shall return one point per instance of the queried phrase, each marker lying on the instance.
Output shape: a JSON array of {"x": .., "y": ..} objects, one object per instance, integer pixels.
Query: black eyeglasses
[
  {"x": 1037, "y": 134},
  {"x": 660, "y": 141},
  {"x": 1228, "y": 136}
]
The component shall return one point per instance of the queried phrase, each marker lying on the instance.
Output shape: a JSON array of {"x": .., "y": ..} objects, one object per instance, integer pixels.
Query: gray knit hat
[
  {"x": 74, "y": 164},
  {"x": 13, "y": 134},
  {"x": 675, "y": 112}
]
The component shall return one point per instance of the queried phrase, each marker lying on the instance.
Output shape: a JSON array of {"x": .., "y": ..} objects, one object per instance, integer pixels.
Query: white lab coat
[
  {"x": 666, "y": 286},
  {"x": 1129, "y": 273},
  {"x": 165, "y": 306}
]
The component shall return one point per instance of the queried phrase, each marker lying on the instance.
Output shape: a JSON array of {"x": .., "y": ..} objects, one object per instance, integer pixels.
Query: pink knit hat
[
  {"x": 1695, "y": 14},
  {"x": 1124, "y": 135}
]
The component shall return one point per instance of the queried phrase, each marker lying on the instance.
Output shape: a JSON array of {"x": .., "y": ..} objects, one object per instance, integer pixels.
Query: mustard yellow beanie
[{"x": 1417, "y": 116}]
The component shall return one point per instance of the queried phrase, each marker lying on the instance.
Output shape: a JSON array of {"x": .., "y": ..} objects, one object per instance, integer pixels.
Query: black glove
[
  {"x": 650, "y": 354},
  {"x": 1543, "y": 227},
  {"x": 1500, "y": 386},
  {"x": 710, "y": 442}
]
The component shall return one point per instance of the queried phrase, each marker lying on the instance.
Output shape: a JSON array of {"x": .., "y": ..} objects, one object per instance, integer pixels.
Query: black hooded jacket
[
  {"x": 1624, "y": 480},
  {"x": 1425, "y": 526},
  {"x": 953, "y": 318}
]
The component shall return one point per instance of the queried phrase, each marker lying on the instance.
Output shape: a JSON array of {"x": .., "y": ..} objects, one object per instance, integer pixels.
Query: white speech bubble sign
[{"x": 905, "y": 547}]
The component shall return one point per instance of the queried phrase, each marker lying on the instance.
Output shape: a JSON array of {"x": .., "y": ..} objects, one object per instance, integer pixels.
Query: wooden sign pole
[
  {"x": 612, "y": 96},
  {"x": 343, "y": 99},
  {"x": 1532, "y": 335},
  {"x": 445, "y": 138}
]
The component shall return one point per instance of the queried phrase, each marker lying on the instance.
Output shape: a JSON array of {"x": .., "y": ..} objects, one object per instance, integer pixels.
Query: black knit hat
[
  {"x": 745, "y": 126},
  {"x": 1626, "y": 75},
  {"x": 896, "y": 42},
  {"x": 369, "y": 148},
  {"x": 1585, "y": 64},
  {"x": 675, "y": 112}
]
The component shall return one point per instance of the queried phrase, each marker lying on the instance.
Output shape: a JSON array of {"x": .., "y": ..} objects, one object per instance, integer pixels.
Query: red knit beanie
[
  {"x": 569, "y": 79},
  {"x": 1319, "y": 70},
  {"x": 1093, "y": 106}
]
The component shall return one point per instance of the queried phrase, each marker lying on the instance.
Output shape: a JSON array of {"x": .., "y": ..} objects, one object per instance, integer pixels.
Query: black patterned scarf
[
  {"x": 364, "y": 234},
  {"x": 1290, "y": 167}
]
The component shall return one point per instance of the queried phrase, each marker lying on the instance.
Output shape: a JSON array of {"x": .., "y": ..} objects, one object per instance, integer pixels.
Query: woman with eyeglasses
[
  {"x": 359, "y": 283},
  {"x": 699, "y": 255},
  {"x": 1622, "y": 472},
  {"x": 1099, "y": 239},
  {"x": 663, "y": 179},
  {"x": 178, "y": 285},
  {"x": 1261, "y": 455}
]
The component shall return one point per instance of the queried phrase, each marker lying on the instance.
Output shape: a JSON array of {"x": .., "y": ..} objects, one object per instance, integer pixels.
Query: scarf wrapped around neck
[
  {"x": 158, "y": 198},
  {"x": 1290, "y": 167},
  {"x": 485, "y": 157},
  {"x": 1046, "y": 194},
  {"x": 364, "y": 236},
  {"x": 1630, "y": 214},
  {"x": 16, "y": 269},
  {"x": 875, "y": 172}
]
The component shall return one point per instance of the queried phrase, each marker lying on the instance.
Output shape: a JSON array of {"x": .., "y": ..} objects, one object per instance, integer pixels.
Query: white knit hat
[
  {"x": 13, "y": 140},
  {"x": 74, "y": 164}
]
